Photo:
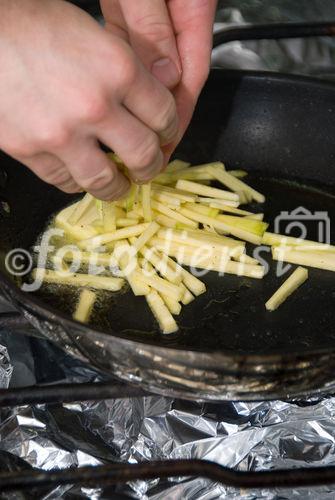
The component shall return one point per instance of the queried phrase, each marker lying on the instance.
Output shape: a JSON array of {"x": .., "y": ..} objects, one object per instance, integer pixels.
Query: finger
[
  {"x": 139, "y": 147},
  {"x": 94, "y": 171},
  {"x": 152, "y": 37},
  {"x": 52, "y": 170},
  {"x": 114, "y": 19},
  {"x": 153, "y": 104},
  {"x": 194, "y": 31}
]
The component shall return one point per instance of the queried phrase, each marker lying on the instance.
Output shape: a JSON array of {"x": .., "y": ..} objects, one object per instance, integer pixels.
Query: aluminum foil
[
  {"x": 6, "y": 369},
  {"x": 245, "y": 436}
]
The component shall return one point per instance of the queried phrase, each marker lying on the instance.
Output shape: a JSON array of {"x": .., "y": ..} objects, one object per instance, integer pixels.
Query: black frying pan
[{"x": 281, "y": 129}]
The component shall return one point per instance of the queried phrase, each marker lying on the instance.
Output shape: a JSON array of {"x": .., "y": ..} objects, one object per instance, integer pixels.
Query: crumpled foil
[
  {"x": 6, "y": 368},
  {"x": 245, "y": 436}
]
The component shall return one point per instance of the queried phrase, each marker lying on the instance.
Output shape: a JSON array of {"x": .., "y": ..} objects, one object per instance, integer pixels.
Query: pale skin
[{"x": 68, "y": 83}]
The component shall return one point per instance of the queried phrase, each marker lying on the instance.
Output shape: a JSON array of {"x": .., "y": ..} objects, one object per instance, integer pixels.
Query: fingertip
[
  {"x": 114, "y": 191},
  {"x": 143, "y": 176}
]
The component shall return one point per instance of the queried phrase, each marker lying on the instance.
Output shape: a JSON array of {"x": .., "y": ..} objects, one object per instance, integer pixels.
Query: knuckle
[
  {"x": 127, "y": 70},
  {"x": 97, "y": 183},
  {"x": 167, "y": 115},
  {"x": 53, "y": 137},
  {"x": 154, "y": 29},
  {"x": 57, "y": 176},
  {"x": 93, "y": 109},
  {"x": 146, "y": 152}
]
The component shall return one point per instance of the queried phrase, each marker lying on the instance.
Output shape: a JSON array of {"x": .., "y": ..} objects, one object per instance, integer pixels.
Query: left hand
[{"x": 173, "y": 39}]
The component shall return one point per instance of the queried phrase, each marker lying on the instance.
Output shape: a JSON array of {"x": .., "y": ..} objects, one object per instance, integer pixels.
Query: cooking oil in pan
[{"x": 231, "y": 315}]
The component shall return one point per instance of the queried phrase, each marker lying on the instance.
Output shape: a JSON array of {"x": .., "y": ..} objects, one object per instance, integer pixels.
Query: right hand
[{"x": 65, "y": 85}]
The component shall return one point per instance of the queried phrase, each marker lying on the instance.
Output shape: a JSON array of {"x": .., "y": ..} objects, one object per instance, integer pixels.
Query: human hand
[
  {"x": 66, "y": 84},
  {"x": 175, "y": 30}
]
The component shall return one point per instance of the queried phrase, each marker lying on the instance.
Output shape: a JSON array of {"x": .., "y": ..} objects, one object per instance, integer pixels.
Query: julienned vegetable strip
[
  {"x": 146, "y": 202},
  {"x": 235, "y": 184},
  {"x": 273, "y": 239},
  {"x": 217, "y": 224},
  {"x": 202, "y": 190},
  {"x": 319, "y": 260},
  {"x": 129, "y": 266},
  {"x": 71, "y": 279},
  {"x": 119, "y": 234},
  {"x": 80, "y": 208},
  {"x": 161, "y": 313},
  {"x": 85, "y": 306},
  {"x": 296, "y": 279}
]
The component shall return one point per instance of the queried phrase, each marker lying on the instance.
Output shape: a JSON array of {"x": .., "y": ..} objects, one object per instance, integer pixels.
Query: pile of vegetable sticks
[{"x": 178, "y": 220}]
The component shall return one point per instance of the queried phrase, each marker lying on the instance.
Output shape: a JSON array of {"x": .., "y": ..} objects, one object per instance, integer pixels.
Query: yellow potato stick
[
  {"x": 161, "y": 264},
  {"x": 119, "y": 234},
  {"x": 319, "y": 260},
  {"x": 176, "y": 165},
  {"x": 92, "y": 258},
  {"x": 80, "y": 208},
  {"x": 162, "y": 314},
  {"x": 191, "y": 173},
  {"x": 217, "y": 224},
  {"x": 85, "y": 306},
  {"x": 238, "y": 173},
  {"x": 129, "y": 266},
  {"x": 292, "y": 283},
  {"x": 217, "y": 203},
  {"x": 109, "y": 216},
  {"x": 202, "y": 209},
  {"x": 127, "y": 222},
  {"x": 230, "y": 209},
  {"x": 185, "y": 238},
  {"x": 208, "y": 191},
  {"x": 216, "y": 263},
  {"x": 255, "y": 217},
  {"x": 76, "y": 232},
  {"x": 273, "y": 239},
  {"x": 251, "y": 225},
  {"x": 166, "y": 198},
  {"x": 196, "y": 286},
  {"x": 147, "y": 234},
  {"x": 146, "y": 202},
  {"x": 89, "y": 280},
  {"x": 161, "y": 284},
  {"x": 247, "y": 259},
  {"x": 173, "y": 214},
  {"x": 163, "y": 220},
  {"x": 173, "y": 306},
  {"x": 183, "y": 196},
  {"x": 187, "y": 297},
  {"x": 235, "y": 184}
]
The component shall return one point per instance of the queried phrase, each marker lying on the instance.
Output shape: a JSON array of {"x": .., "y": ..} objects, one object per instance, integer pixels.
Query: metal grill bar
[
  {"x": 113, "y": 474},
  {"x": 274, "y": 32},
  {"x": 67, "y": 393}
]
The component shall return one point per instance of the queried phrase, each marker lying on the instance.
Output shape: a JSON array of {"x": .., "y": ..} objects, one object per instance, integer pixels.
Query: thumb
[{"x": 152, "y": 37}]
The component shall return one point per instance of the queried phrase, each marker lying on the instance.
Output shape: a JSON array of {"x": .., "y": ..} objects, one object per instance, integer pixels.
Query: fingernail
[{"x": 166, "y": 72}]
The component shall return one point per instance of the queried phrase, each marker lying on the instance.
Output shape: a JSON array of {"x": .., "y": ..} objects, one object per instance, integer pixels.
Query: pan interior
[{"x": 231, "y": 315}]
